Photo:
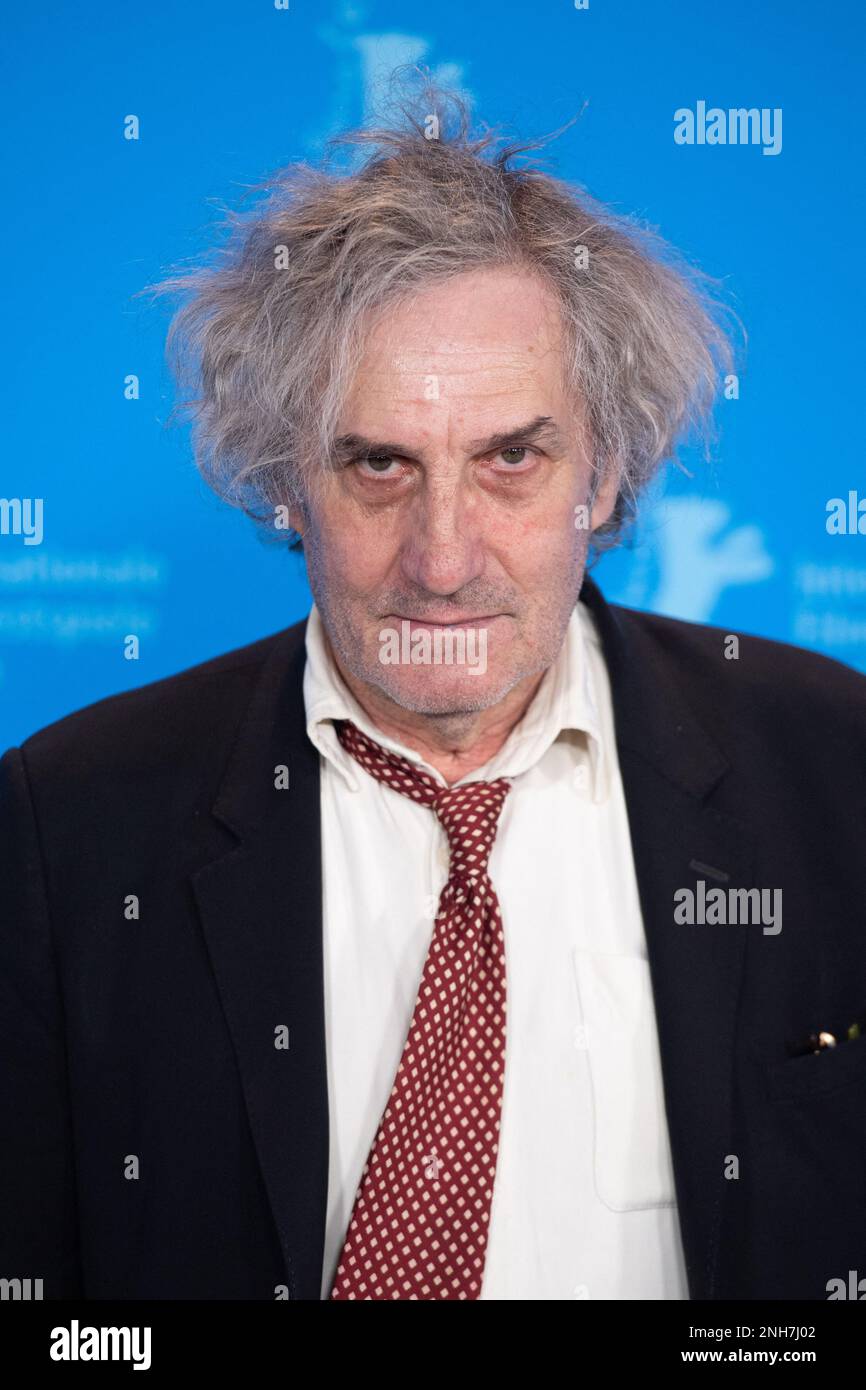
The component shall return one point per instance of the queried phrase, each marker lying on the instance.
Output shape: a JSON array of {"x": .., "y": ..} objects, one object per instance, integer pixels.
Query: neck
[{"x": 456, "y": 743}]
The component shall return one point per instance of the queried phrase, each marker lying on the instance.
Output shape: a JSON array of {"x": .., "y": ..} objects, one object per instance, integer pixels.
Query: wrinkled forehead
[{"x": 475, "y": 340}]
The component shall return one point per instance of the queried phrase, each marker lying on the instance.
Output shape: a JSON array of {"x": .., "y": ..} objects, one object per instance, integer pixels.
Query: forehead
[{"x": 474, "y": 339}]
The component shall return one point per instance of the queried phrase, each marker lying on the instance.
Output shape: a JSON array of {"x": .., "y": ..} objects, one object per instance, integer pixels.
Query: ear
[
  {"x": 297, "y": 520},
  {"x": 605, "y": 499}
]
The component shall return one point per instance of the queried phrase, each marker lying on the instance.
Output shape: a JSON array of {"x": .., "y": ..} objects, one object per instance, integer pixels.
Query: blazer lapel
[
  {"x": 669, "y": 766},
  {"x": 261, "y": 909}
]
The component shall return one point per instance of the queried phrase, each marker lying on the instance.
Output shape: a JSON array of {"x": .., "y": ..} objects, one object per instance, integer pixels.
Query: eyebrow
[{"x": 542, "y": 429}]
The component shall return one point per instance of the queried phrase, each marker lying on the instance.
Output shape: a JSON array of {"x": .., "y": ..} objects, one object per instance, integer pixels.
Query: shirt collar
[{"x": 565, "y": 706}]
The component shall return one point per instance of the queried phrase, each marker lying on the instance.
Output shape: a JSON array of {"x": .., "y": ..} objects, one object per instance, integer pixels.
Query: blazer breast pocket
[
  {"x": 818, "y": 1074},
  {"x": 632, "y": 1164}
]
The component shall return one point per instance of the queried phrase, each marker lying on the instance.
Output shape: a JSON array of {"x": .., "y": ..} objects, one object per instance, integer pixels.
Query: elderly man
[{"x": 473, "y": 938}]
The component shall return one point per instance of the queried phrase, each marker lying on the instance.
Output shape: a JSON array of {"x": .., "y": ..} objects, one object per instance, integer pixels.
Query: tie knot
[{"x": 469, "y": 815}]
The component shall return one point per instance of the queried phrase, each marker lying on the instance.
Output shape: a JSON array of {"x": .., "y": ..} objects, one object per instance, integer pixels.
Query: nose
[{"x": 443, "y": 548}]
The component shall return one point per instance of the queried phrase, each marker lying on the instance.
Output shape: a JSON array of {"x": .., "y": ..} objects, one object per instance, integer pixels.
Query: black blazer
[{"x": 154, "y": 1037}]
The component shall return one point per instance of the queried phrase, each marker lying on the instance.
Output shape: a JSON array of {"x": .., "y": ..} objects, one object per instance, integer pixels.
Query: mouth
[{"x": 469, "y": 621}]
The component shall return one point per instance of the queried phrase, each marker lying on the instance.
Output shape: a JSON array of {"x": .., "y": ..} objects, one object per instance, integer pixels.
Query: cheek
[
  {"x": 352, "y": 560},
  {"x": 538, "y": 544}
]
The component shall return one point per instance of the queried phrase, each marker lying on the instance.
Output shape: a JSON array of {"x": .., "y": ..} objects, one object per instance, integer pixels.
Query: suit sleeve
[{"x": 38, "y": 1224}]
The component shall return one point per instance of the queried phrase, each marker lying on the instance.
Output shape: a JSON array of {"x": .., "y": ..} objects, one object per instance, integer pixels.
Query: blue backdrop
[{"x": 131, "y": 542}]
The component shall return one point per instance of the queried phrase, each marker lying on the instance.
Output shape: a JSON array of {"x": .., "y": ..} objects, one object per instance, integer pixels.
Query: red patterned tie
[{"x": 420, "y": 1221}]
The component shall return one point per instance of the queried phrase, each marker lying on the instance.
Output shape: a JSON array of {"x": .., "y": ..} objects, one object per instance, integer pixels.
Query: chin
[{"x": 444, "y": 692}]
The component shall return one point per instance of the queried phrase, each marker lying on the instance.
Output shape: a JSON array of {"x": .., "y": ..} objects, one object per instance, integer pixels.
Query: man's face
[{"x": 461, "y": 466}]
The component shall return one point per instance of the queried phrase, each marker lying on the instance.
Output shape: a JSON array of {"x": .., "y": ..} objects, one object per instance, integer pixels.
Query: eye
[
  {"x": 377, "y": 463},
  {"x": 516, "y": 456}
]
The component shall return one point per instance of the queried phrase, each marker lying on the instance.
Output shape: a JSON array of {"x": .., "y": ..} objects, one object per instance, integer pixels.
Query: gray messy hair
[{"x": 273, "y": 322}]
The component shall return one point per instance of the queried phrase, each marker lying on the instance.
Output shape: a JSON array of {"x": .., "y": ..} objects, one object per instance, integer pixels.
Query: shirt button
[{"x": 580, "y": 779}]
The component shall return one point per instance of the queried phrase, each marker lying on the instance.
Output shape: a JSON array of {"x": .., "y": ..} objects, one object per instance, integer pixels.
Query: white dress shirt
[{"x": 583, "y": 1202}]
